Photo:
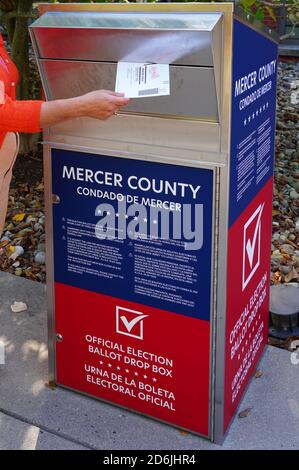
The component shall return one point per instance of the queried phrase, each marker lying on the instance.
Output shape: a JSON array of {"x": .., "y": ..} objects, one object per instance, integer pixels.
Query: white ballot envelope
[{"x": 142, "y": 80}]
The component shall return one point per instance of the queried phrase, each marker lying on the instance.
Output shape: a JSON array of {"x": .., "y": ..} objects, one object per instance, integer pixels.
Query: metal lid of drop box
[{"x": 78, "y": 52}]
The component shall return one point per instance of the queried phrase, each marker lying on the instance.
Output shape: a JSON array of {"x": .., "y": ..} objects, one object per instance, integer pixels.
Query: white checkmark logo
[
  {"x": 130, "y": 324},
  {"x": 250, "y": 246},
  {"x": 125, "y": 326}
]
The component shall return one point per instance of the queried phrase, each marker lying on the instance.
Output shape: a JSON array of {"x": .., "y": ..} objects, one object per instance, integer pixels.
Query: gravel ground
[
  {"x": 285, "y": 239},
  {"x": 22, "y": 247}
]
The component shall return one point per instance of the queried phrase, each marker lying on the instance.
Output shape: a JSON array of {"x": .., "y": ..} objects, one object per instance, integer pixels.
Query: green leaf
[
  {"x": 247, "y": 3},
  {"x": 259, "y": 14}
]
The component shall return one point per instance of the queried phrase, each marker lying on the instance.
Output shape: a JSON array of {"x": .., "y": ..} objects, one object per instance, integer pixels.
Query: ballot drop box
[{"x": 159, "y": 219}]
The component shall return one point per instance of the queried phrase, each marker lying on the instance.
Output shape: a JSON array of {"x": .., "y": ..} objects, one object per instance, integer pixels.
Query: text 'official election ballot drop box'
[{"x": 170, "y": 326}]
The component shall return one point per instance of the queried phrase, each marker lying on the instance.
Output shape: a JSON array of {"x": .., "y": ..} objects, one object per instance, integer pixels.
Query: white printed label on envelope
[{"x": 137, "y": 80}]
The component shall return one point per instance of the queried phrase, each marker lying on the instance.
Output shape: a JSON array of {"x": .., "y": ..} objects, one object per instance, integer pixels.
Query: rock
[
  {"x": 274, "y": 265},
  {"x": 285, "y": 269},
  {"x": 289, "y": 222},
  {"x": 40, "y": 257},
  {"x": 285, "y": 203},
  {"x": 288, "y": 249},
  {"x": 41, "y": 247},
  {"x": 275, "y": 236},
  {"x": 37, "y": 227},
  {"x": 19, "y": 250},
  {"x": 281, "y": 125},
  {"x": 30, "y": 219},
  {"x": 276, "y": 258},
  {"x": 25, "y": 231},
  {"x": 292, "y": 275},
  {"x": 294, "y": 194},
  {"x": 5, "y": 239},
  {"x": 289, "y": 152}
]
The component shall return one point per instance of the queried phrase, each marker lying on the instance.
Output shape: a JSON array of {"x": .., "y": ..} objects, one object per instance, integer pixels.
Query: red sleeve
[{"x": 20, "y": 116}]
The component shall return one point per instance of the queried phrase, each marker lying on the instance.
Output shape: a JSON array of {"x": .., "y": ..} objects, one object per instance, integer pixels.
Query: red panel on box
[
  {"x": 149, "y": 360},
  {"x": 248, "y": 285}
]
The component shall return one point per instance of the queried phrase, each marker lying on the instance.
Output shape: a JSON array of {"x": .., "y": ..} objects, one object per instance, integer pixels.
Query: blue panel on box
[
  {"x": 253, "y": 116},
  {"x": 139, "y": 231}
]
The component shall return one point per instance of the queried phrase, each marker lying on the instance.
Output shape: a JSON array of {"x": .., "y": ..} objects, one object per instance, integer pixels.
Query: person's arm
[
  {"x": 97, "y": 104},
  {"x": 32, "y": 116}
]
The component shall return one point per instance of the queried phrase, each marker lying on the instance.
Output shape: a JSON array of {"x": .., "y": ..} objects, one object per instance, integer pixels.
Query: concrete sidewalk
[{"x": 32, "y": 416}]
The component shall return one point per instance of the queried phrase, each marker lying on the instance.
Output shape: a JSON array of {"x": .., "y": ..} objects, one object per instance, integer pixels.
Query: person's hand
[
  {"x": 102, "y": 104},
  {"x": 99, "y": 104}
]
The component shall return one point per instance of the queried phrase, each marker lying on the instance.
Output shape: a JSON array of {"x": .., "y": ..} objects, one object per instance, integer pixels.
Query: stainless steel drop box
[{"x": 170, "y": 326}]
